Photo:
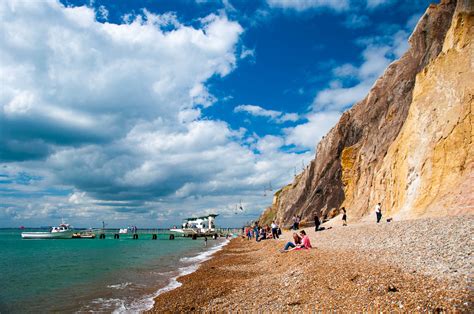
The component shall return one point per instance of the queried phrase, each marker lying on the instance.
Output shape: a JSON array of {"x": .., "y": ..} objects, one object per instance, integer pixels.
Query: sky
[{"x": 147, "y": 112}]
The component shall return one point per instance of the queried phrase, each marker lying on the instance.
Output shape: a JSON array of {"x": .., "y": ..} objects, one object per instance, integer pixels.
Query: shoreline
[
  {"x": 250, "y": 276},
  {"x": 147, "y": 302}
]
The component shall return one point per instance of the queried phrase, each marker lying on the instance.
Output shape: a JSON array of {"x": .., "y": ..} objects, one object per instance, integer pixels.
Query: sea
[{"x": 94, "y": 275}]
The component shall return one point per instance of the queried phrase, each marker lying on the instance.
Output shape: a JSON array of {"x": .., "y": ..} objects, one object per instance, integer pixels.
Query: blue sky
[{"x": 145, "y": 112}]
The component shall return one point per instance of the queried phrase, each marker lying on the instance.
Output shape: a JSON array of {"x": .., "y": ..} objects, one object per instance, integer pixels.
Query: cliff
[{"x": 408, "y": 143}]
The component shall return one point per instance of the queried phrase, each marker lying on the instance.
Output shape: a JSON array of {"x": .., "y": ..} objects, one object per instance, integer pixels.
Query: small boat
[{"x": 63, "y": 231}]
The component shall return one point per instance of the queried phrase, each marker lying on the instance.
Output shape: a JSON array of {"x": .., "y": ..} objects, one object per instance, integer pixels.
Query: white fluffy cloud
[
  {"x": 377, "y": 55},
  {"x": 307, "y": 135},
  {"x": 108, "y": 118},
  {"x": 74, "y": 75},
  {"x": 274, "y": 115}
]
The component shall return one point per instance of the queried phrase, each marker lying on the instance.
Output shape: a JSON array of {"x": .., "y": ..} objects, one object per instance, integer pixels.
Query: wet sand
[{"x": 250, "y": 276}]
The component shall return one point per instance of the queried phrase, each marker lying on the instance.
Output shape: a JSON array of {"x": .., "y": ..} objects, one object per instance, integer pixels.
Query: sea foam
[{"x": 146, "y": 303}]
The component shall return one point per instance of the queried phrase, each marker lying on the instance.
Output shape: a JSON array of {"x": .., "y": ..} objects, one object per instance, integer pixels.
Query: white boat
[
  {"x": 63, "y": 231},
  {"x": 197, "y": 225}
]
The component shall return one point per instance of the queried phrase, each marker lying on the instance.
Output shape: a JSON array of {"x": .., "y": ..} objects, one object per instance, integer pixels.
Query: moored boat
[
  {"x": 197, "y": 226},
  {"x": 63, "y": 231}
]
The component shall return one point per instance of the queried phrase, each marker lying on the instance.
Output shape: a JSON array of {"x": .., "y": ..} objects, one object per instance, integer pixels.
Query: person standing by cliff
[
  {"x": 378, "y": 212},
  {"x": 274, "y": 230},
  {"x": 295, "y": 223},
  {"x": 317, "y": 222},
  {"x": 344, "y": 217}
]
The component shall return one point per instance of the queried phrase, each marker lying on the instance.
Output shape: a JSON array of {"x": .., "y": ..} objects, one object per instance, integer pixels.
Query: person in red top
[{"x": 304, "y": 244}]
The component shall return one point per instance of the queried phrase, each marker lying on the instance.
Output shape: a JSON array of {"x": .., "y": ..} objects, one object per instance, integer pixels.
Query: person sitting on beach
[
  {"x": 305, "y": 242},
  {"x": 268, "y": 230},
  {"x": 262, "y": 235},
  {"x": 296, "y": 241},
  {"x": 304, "y": 245}
]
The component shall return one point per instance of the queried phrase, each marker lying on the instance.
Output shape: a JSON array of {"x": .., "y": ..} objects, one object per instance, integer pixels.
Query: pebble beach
[{"x": 414, "y": 265}]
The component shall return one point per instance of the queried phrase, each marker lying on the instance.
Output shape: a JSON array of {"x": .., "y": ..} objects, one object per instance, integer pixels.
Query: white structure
[
  {"x": 198, "y": 225},
  {"x": 63, "y": 231}
]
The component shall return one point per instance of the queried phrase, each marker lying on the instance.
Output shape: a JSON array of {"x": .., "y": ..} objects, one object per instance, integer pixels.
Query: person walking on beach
[
  {"x": 317, "y": 222},
  {"x": 344, "y": 217},
  {"x": 274, "y": 230},
  {"x": 378, "y": 212},
  {"x": 205, "y": 241}
]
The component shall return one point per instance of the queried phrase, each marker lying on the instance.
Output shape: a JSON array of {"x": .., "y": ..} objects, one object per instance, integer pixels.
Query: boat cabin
[
  {"x": 60, "y": 228},
  {"x": 201, "y": 224}
]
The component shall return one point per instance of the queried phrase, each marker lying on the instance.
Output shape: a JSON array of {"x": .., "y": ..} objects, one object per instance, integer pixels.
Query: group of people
[
  {"x": 378, "y": 216},
  {"x": 263, "y": 233},
  {"x": 300, "y": 240}
]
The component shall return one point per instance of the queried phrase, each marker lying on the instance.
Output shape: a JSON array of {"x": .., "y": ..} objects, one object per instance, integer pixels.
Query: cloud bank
[{"x": 108, "y": 117}]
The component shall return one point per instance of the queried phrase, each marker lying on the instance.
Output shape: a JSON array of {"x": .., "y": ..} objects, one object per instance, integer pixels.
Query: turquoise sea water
[{"x": 84, "y": 275}]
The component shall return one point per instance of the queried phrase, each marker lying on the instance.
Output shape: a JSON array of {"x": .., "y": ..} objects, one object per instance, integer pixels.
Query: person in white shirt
[
  {"x": 378, "y": 212},
  {"x": 274, "y": 230}
]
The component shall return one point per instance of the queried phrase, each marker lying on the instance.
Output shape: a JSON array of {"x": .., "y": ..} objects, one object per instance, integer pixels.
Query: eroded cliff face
[
  {"x": 428, "y": 170},
  {"x": 408, "y": 144}
]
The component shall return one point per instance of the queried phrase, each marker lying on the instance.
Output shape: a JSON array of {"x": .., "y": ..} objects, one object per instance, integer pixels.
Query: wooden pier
[{"x": 154, "y": 234}]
